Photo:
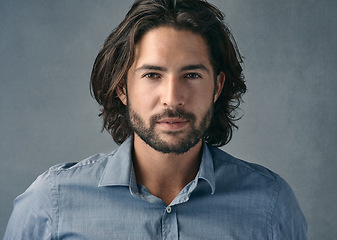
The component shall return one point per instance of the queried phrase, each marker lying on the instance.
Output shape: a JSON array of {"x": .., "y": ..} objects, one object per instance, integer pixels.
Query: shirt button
[{"x": 168, "y": 209}]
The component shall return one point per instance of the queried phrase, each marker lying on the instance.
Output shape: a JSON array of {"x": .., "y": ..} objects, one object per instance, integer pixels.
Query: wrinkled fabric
[{"x": 99, "y": 198}]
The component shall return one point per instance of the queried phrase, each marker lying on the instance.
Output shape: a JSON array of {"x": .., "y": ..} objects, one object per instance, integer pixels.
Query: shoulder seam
[
  {"x": 272, "y": 207},
  {"x": 88, "y": 161},
  {"x": 54, "y": 204},
  {"x": 247, "y": 165}
]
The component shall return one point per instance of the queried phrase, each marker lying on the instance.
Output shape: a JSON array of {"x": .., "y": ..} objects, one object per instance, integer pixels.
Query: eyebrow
[
  {"x": 163, "y": 69},
  {"x": 195, "y": 67},
  {"x": 151, "y": 67}
]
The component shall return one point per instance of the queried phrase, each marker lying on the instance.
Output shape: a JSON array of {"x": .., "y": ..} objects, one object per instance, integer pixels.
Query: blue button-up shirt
[{"x": 99, "y": 198}]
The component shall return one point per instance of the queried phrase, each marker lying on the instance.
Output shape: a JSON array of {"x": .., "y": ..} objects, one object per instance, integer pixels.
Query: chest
[{"x": 113, "y": 213}]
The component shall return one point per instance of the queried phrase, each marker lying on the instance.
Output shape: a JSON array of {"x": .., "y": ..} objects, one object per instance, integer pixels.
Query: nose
[{"x": 173, "y": 93}]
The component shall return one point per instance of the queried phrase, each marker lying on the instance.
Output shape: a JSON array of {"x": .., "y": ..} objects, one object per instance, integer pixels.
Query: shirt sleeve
[
  {"x": 32, "y": 214},
  {"x": 288, "y": 221}
]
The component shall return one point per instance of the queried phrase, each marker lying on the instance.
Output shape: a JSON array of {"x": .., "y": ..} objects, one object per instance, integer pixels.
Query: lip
[{"x": 172, "y": 124}]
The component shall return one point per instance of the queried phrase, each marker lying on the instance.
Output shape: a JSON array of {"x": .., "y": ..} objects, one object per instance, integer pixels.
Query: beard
[{"x": 183, "y": 144}]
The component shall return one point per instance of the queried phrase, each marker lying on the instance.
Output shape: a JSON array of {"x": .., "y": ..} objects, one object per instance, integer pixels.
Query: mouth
[{"x": 172, "y": 124}]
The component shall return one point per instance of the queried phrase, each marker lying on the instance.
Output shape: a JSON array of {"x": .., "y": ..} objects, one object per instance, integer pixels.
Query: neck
[{"x": 164, "y": 175}]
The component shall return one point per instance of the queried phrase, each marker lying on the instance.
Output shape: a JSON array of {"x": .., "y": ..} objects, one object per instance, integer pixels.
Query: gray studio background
[{"x": 47, "y": 116}]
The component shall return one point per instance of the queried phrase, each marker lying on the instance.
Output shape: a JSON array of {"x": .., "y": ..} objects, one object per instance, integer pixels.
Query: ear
[
  {"x": 121, "y": 93},
  {"x": 220, "y": 80}
]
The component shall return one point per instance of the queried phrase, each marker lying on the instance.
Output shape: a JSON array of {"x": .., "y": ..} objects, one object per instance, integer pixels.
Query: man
[{"x": 168, "y": 79}]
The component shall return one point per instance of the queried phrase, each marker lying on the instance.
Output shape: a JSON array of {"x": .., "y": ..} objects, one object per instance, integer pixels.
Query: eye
[
  {"x": 192, "y": 75},
  {"x": 151, "y": 75}
]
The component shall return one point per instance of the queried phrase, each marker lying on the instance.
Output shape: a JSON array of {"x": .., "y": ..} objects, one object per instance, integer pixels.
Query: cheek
[
  {"x": 204, "y": 96},
  {"x": 202, "y": 105},
  {"x": 140, "y": 99}
]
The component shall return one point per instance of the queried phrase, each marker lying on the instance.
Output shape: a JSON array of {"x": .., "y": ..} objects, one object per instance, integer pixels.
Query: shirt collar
[
  {"x": 119, "y": 169},
  {"x": 206, "y": 170}
]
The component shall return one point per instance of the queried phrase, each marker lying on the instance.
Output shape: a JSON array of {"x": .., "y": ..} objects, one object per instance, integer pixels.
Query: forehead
[{"x": 169, "y": 44}]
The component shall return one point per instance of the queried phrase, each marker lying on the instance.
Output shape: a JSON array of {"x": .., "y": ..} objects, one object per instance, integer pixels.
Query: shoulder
[
  {"x": 92, "y": 161},
  {"x": 88, "y": 168},
  {"x": 285, "y": 218},
  {"x": 221, "y": 159},
  {"x": 239, "y": 172},
  {"x": 35, "y": 211}
]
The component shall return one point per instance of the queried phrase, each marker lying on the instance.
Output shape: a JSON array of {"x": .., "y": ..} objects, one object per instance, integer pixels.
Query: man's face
[{"x": 171, "y": 90}]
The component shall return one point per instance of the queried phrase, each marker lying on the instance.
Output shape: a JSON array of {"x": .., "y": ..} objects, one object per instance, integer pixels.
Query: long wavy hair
[{"x": 117, "y": 55}]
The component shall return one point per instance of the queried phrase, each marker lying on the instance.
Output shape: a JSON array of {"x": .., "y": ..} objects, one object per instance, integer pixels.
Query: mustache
[{"x": 173, "y": 113}]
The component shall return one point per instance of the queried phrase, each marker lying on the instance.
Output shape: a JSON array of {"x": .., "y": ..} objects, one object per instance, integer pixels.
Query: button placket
[{"x": 170, "y": 224}]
